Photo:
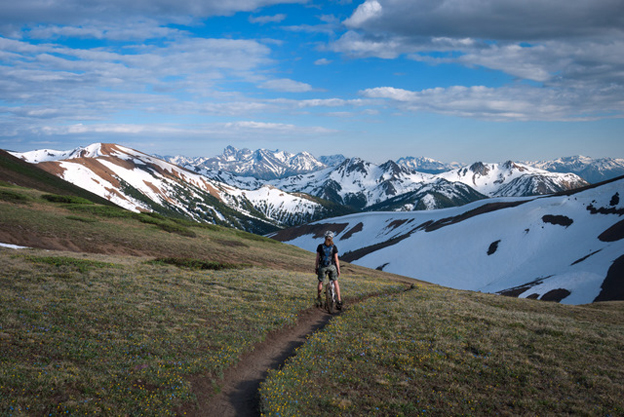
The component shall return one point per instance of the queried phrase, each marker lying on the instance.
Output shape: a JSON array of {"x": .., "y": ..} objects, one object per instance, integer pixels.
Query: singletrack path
[{"x": 239, "y": 389}]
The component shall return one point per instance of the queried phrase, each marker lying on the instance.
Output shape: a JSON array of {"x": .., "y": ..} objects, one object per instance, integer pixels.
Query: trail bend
[{"x": 238, "y": 395}]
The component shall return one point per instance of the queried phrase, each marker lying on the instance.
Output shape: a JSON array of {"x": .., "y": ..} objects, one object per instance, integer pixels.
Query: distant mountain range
[
  {"x": 591, "y": 170},
  {"x": 567, "y": 247},
  {"x": 140, "y": 182},
  {"x": 427, "y": 165},
  {"x": 261, "y": 164},
  {"x": 269, "y": 165},
  {"x": 265, "y": 190}
]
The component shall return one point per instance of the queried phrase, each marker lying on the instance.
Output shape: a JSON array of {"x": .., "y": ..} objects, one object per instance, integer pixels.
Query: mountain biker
[{"x": 327, "y": 263}]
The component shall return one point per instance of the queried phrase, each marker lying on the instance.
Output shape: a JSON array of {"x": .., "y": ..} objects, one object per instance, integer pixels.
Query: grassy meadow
[
  {"x": 97, "y": 331},
  {"x": 114, "y": 313},
  {"x": 442, "y": 352}
]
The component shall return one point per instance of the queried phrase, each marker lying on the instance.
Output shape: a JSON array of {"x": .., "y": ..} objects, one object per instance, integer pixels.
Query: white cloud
[
  {"x": 575, "y": 51},
  {"x": 267, "y": 19},
  {"x": 76, "y": 12},
  {"x": 368, "y": 10},
  {"x": 509, "y": 103},
  {"x": 55, "y": 75},
  {"x": 286, "y": 85},
  {"x": 322, "y": 61},
  {"x": 357, "y": 45},
  {"x": 274, "y": 128},
  {"x": 512, "y": 20},
  {"x": 126, "y": 31},
  {"x": 101, "y": 131}
]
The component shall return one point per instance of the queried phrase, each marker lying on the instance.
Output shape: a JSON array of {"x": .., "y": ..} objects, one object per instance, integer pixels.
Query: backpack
[{"x": 327, "y": 253}]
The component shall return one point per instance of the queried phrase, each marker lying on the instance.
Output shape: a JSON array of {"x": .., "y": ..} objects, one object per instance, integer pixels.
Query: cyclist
[{"x": 327, "y": 263}]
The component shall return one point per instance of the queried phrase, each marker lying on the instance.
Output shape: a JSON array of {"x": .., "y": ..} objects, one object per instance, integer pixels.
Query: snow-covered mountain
[
  {"x": 332, "y": 160},
  {"x": 360, "y": 184},
  {"x": 423, "y": 164},
  {"x": 590, "y": 169},
  {"x": 567, "y": 247},
  {"x": 391, "y": 186},
  {"x": 140, "y": 182},
  {"x": 262, "y": 164},
  {"x": 407, "y": 184},
  {"x": 200, "y": 189},
  {"x": 512, "y": 179}
]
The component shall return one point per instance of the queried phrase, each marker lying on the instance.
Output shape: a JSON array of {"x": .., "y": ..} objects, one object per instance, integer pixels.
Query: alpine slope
[
  {"x": 140, "y": 182},
  {"x": 567, "y": 247}
]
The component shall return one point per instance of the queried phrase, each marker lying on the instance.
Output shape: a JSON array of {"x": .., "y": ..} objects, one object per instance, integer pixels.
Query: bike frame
[{"x": 330, "y": 296}]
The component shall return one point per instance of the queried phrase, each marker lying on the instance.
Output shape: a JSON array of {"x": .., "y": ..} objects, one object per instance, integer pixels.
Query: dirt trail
[{"x": 239, "y": 388}]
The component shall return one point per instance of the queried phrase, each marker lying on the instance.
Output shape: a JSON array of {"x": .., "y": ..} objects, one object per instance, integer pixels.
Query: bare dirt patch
[{"x": 238, "y": 393}]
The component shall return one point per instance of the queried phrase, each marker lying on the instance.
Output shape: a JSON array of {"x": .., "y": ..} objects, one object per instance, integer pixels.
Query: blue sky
[{"x": 454, "y": 80}]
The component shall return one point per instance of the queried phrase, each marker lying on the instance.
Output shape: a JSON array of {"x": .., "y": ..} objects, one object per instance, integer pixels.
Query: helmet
[{"x": 329, "y": 234}]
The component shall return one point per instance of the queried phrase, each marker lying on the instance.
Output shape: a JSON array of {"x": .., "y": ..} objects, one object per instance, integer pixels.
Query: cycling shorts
[{"x": 331, "y": 270}]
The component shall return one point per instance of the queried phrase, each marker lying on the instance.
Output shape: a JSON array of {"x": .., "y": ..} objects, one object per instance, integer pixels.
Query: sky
[{"x": 453, "y": 80}]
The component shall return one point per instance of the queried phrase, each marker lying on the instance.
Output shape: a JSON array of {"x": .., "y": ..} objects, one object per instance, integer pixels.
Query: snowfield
[{"x": 552, "y": 248}]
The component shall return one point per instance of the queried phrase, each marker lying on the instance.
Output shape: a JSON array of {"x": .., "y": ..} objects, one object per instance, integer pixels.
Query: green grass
[
  {"x": 433, "y": 351},
  {"x": 197, "y": 264},
  {"x": 115, "y": 335},
  {"x": 80, "y": 265},
  {"x": 66, "y": 199},
  {"x": 11, "y": 196}
]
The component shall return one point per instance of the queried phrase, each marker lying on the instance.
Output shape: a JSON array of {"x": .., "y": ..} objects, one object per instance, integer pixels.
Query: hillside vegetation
[
  {"x": 115, "y": 313},
  {"x": 442, "y": 352}
]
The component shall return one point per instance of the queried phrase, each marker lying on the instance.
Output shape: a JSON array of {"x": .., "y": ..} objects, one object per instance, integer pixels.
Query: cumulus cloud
[
  {"x": 574, "y": 51},
  {"x": 526, "y": 20},
  {"x": 368, "y": 10},
  {"x": 518, "y": 103},
  {"x": 43, "y": 84}
]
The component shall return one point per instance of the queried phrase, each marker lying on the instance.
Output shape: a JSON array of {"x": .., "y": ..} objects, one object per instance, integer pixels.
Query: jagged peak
[{"x": 479, "y": 168}]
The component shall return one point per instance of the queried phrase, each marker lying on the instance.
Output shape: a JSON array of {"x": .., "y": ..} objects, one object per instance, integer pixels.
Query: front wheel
[{"x": 330, "y": 295}]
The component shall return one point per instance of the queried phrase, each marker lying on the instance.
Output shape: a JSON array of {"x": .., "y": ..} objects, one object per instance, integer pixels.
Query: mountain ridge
[
  {"x": 138, "y": 181},
  {"x": 590, "y": 169}
]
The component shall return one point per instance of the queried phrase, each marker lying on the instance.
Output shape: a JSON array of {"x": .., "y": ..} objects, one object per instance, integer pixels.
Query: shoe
[
  {"x": 319, "y": 302},
  {"x": 339, "y": 305}
]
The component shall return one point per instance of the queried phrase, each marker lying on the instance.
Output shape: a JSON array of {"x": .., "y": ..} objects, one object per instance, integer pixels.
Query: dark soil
[{"x": 238, "y": 393}]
